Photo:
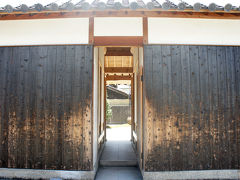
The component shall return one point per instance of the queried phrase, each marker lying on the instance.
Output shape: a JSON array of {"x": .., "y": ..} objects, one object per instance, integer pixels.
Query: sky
[{"x": 16, "y": 3}]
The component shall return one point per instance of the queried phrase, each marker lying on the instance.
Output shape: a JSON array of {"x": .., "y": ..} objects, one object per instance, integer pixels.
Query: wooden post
[
  {"x": 145, "y": 30},
  {"x": 91, "y": 30},
  {"x": 105, "y": 106},
  {"x": 132, "y": 107}
]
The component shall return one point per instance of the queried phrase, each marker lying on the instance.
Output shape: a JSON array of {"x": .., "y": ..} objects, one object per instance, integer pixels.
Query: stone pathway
[
  {"x": 118, "y": 153},
  {"x": 118, "y": 162}
]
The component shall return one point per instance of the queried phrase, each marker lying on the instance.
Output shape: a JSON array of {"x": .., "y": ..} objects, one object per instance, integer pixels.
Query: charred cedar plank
[
  {"x": 83, "y": 108},
  {"x": 78, "y": 131},
  {"x": 2, "y": 95},
  {"x": 11, "y": 96},
  {"x": 159, "y": 118},
  {"x": 32, "y": 100},
  {"x": 204, "y": 106},
  {"x": 186, "y": 129},
  {"x": 195, "y": 95},
  {"x": 233, "y": 125},
  {"x": 213, "y": 83},
  {"x": 50, "y": 108},
  {"x": 39, "y": 106},
  {"x": 60, "y": 65},
  {"x": 170, "y": 113},
  {"x": 72, "y": 76},
  {"x": 70, "y": 55},
  {"x": 148, "y": 134},
  {"x": 221, "y": 103},
  {"x": 19, "y": 107},
  {"x": 16, "y": 133},
  {"x": 53, "y": 91},
  {"x": 237, "y": 115},
  {"x": 165, "y": 94},
  {"x": 229, "y": 120},
  {"x": 40, "y": 124},
  {"x": 6, "y": 54},
  {"x": 74, "y": 106},
  {"x": 24, "y": 106},
  {"x": 27, "y": 78},
  {"x": 176, "y": 104},
  {"x": 44, "y": 119},
  {"x": 88, "y": 112},
  {"x": 156, "y": 78}
]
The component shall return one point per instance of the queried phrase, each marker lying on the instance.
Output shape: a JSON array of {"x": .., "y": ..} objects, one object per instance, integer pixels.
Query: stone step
[{"x": 119, "y": 163}]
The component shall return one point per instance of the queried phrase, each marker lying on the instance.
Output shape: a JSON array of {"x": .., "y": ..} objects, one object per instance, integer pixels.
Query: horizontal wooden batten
[
  {"x": 122, "y": 13},
  {"x": 117, "y": 77},
  {"x": 118, "y": 40},
  {"x": 118, "y": 69}
]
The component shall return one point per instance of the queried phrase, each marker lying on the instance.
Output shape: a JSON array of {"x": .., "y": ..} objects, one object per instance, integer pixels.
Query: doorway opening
[
  {"x": 118, "y": 110},
  {"x": 118, "y": 97}
]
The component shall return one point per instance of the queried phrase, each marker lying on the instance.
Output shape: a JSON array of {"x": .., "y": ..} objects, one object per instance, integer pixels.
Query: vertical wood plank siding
[
  {"x": 191, "y": 107},
  {"x": 45, "y": 107}
]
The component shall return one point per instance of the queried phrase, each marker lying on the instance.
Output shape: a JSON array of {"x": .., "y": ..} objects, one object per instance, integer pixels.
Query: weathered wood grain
[
  {"x": 46, "y": 107},
  {"x": 195, "y": 90},
  {"x": 186, "y": 129}
]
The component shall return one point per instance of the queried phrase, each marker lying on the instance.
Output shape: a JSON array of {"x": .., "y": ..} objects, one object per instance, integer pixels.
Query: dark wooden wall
[
  {"x": 192, "y": 107},
  {"x": 45, "y": 107}
]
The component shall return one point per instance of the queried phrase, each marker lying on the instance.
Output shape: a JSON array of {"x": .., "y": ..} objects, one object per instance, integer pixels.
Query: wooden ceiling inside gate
[
  {"x": 119, "y": 57},
  {"x": 118, "y": 61},
  {"x": 118, "y": 64}
]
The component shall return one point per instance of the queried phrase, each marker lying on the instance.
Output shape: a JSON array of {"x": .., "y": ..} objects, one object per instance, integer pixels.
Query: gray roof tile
[{"x": 55, "y": 5}]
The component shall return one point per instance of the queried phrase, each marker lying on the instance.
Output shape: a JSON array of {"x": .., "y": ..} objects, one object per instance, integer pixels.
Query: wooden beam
[
  {"x": 122, "y": 13},
  {"x": 117, "y": 77},
  {"x": 145, "y": 30},
  {"x": 118, "y": 51},
  {"x": 91, "y": 30},
  {"x": 118, "y": 40},
  {"x": 118, "y": 70}
]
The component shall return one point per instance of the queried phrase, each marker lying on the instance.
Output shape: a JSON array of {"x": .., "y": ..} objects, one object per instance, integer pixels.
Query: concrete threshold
[
  {"x": 46, "y": 174},
  {"x": 195, "y": 174}
]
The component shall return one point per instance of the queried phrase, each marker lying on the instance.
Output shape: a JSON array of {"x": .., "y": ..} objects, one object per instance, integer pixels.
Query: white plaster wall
[
  {"x": 44, "y": 31},
  {"x": 117, "y": 26},
  {"x": 193, "y": 31}
]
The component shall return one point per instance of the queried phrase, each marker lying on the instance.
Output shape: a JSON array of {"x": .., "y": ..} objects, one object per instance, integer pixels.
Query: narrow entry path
[{"x": 118, "y": 162}]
